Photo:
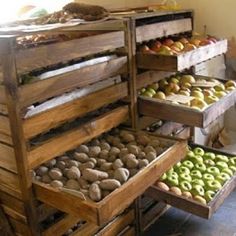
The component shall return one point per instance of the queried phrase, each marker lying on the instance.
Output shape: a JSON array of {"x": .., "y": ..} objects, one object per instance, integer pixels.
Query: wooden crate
[
  {"x": 99, "y": 213},
  {"x": 183, "y": 114},
  {"x": 204, "y": 211},
  {"x": 181, "y": 61}
]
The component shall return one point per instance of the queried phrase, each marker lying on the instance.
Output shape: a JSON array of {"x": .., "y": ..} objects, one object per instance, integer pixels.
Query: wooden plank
[
  {"x": 118, "y": 224},
  {"x": 71, "y": 139},
  {"x": 71, "y": 110},
  {"x": 56, "y": 85},
  {"x": 7, "y": 158},
  {"x": 44, "y": 211},
  {"x": 60, "y": 227},
  {"x": 5, "y": 125},
  {"x": 129, "y": 232},
  {"x": 5, "y": 227},
  {"x": 162, "y": 29},
  {"x": 3, "y": 109},
  {"x": 34, "y": 58},
  {"x": 20, "y": 228},
  {"x": 181, "y": 61},
  {"x": 14, "y": 214},
  {"x": 87, "y": 229},
  {"x": 2, "y": 95},
  {"x": 101, "y": 212},
  {"x": 4, "y": 138}
]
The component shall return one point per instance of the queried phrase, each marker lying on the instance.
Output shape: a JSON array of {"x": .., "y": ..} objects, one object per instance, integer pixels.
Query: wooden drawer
[
  {"x": 165, "y": 110},
  {"x": 189, "y": 205},
  {"x": 181, "y": 61},
  {"x": 101, "y": 212}
]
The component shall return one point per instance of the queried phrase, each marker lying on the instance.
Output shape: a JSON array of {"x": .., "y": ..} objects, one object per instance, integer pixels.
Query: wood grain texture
[
  {"x": 101, "y": 212},
  {"x": 129, "y": 232},
  {"x": 7, "y": 158},
  {"x": 71, "y": 110},
  {"x": 34, "y": 58},
  {"x": 2, "y": 95},
  {"x": 71, "y": 139},
  {"x": 86, "y": 229},
  {"x": 162, "y": 29},
  {"x": 14, "y": 214},
  {"x": 3, "y": 109},
  {"x": 5, "y": 227},
  {"x": 20, "y": 228},
  {"x": 5, "y": 125},
  {"x": 56, "y": 85},
  {"x": 4, "y": 138}
]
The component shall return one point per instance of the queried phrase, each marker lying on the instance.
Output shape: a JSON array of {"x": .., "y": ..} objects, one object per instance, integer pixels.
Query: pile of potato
[{"x": 102, "y": 165}]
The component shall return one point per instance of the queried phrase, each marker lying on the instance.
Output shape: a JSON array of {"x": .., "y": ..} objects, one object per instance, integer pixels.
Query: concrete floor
[{"x": 178, "y": 223}]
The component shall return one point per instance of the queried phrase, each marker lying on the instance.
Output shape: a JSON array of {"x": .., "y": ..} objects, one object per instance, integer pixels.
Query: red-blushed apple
[
  {"x": 183, "y": 40},
  {"x": 179, "y": 45},
  {"x": 195, "y": 42},
  {"x": 155, "y": 46},
  {"x": 145, "y": 49},
  {"x": 168, "y": 42},
  {"x": 189, "y": 47}
]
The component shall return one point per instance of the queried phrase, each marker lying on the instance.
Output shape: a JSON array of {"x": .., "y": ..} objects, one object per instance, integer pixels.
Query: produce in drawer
[
  {"x": 199, "y": 176},
  {"x": 99, "y": 167},
  {"x": 170, "y": 47},
  {"x": 197, "y": 93}
]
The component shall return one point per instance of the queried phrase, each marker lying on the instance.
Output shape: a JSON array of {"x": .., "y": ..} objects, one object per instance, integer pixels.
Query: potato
[
  {"x": 121, "y": 174},
  {"x": 100, "y": 162},
  {"x": 82, "y": 149},
  {"x": 33, "y": 174},
  {"x": 61, "y": 165},
  {"x": 94, "y": 151},
  {"x": 154, "y": 143},
  {"x": 148, "y": 149},
  {"x": 81, "y": 157},
  {"x": 65, "y": 171},
  {"x": 56, "y": 184},
  {"x": 110, "y": 173},
  {"x": 86, "y": 165},
  {"x": 95, "y": 192},
  {"x": 115, "y": 141},
  {"x": 95, "y": 142},
  {"x": 127, "y": 137},
  {"x": 94, "y": 160},
  {"x": 105, "y": 146},
  {"x": 72, "y": 184},
  {"x": 109, "y": 138},
  {"x": 64, "y": 180},
  {"x": 162, "y": 185},
  {"x": 142, "y": 163},
  {"x": 133, "y": 172},
  {"x": 109, "y": 184},
  {"x": 151, "y": 156},
  {"x": 112, "y": 158},
  {"x": 114, "y": 151},
  {"x": 51, "y": 163},
  {"x": 131, "y": 163},
  {"x": 83, "y": 183},
  {"x": 127, "y": 157},
  {"x": 117, "y": 164},
  {"x": 105, "y": 193},
  {"x": 141, "y": 155},
  {"x": 63, "y": 158},
  {"x": 71, "y": 163},
  {"x": 131, "y": 144},
  {"x": 104, "y": 154},
  {"x": 143, "y": 139},
  {"x": 176, "y": 190},
  {"x": 133, "y": 149},
  {"x": 94, "y": 175},
  {"x": 55, "y": 174},
  {"x": 46, "y": 179},
  {"x": 42, "y": 170},
  {"x": 123, "y": 152},
  {"x": 159, "y": 150},
  {"x": 73, "y": 173},
  {"x": 38, "y": 178},
  {"x": 106, "y": 166}
]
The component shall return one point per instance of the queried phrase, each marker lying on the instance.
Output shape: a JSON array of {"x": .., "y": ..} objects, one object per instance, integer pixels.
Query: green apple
[
  {"x": 172, "y": 181},
  {"x": 209, "y": 156},
  {"x": 200, "y": 166},
  {"x": 197, "y": 182},
  {"x": 200, "y": 199},
  {"x": 207, "y": 177},
  {"x": 185, "y": 186},
  {"x": 170, "y": 171},
  {"x": 196, "y": 174},
  {"x": 147, "y": 94},
  {"x": 185, "y": 177},
  {"x": 196, "y": 159},
  {"x": 190, "y": 154},
  {"x": 233, "y": 168},
  {"x": 183, "y": 170},
  {"x": 221, "y": 158},
  {"x": 188, "y": 164},
  {"x": 232, "y": 161},
  {"x": 213, "y": 170},
  {"x": 209, "y": 195},
  {"x": 209, "y": 162},
  {"x": 222, "y": 177},
  {"x": 221, "y": 165},
  {"x": 163, "y": 177},
  {"x": 213, "y": 185},
  {"x": 177, "y": 165},
  {"x": 198, "y": 151},
  {"x": 174, "y": 174},
  {"x": 197, "y": 190},
  {"x": 227, "y": 171},
  {"x": 152, "y": 91}
]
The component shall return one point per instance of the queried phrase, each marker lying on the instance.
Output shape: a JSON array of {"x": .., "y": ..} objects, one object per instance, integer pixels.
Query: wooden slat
[
  {"x": 4, "y": 138},
  {"x": 72, "y": 139},
  {"x": 15, "y": 215},
  {"x": 20, "y": 228},
  {"x": 158, "y": 30},
  {"x": 71, "y": 110},
  {"x": 87, "y": 229},
  {"x": 44, "y": 211},
  {"x": 56, "y": 85},
  {"x": 5, "y": 227},
  {"x": 129, "y": 232},
  {"x": 60, "y": 227},
  {"x": 3, "y": 109},
  {"x": 4, "y": 125},
  {"x": 7, "y": 158},
  {"x": 29, "y": 59},
  {"x": 2, "y": 95}
]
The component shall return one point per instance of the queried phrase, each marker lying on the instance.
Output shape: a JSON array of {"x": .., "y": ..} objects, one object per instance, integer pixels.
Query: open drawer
[
  {"x": 181, "y": 61},
  {"x": 102, "y": 211},
  {"x": 190, "y": 205},
  {"x": 167, "y": 110}
]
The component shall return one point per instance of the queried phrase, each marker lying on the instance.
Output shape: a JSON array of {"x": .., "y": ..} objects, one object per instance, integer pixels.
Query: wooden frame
[{"x": 189, "y": 205}]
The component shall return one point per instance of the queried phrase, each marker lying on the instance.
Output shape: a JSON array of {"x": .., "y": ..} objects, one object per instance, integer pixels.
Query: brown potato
[
  {"x": 73, "y": 173},
  {"x": 46, "y": 179},
  {"x": 95, "y": 192},
  {"x": 81, "y": 157},
  {"x": 104, "y": 154},
  {"x": 109, "y": 184},
  {"x": 92, "y": 175},
  {"x": 162, "y": 185},
  {"x": 72, "y": 184},
  {"x": 94, "y": 151},
  {"x": 151, "y": 156},
  {"x": 42, "y": 170},
  {"x": 56, "y": 184},
  {"x": 82, "y": 149},
  {"x": 131, "y": 163},
  {"x": 142, "y": 163},
  {"x": 121, "y": 174},
  {"x": 55, "y": 174},
  {"x": 117, "y": 164}
]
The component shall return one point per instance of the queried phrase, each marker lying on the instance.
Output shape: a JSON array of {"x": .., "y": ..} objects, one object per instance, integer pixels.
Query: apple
[
  {"x": 209, "y": 195},
  {"x": 196, "y": 174},
  {"x": 186, "y": 86},
  {"x": 197, "y": 94},
  {"x": 160, "y": 95},
  {"x": 185, "y": 177},
  {"x": 196, "y": 89},
  {"x": 219, "y": 87},
  {"x": 232, "y": 168},
  {"x": 207, "y": 177},
  {"x": 163, "y": 177},
  {"x": 175, "y": 49},
  {"x": 187, "y": 79},
  {"x": 211, "y": 99},
  {"x": 152, "y": 91},
  {"x": 213, "y": 170},
  {"x": 173, "y": 80},
  {"x": 147, "y": 94},
  {"x": 229, "y": 89},
  {"x": 200, "y": 166},
  {"x": 183, "y": 40},
  {"x": 200, "y": 199},
  {"x": 232, "y": 161},
  {"x": 188, "y": 164},
  {"x": 183, "y": 92},
  {"x": 199, "y": 103},
  {"x": 230, "y": 83},
  {"x": 187, "y": 194},
  {"x": 195, "y": 42},
  {"x": 185, "y": 186},
  {"x": 213, "y": 185},
  {"x": 173, "y": 174},
  {"x": 207, "y": 93},
  {"x": 154, "y": 86},
  {"x": 220, "y": 94},
  {"x": 221, "y": 165},
  {"x": 172, "y": 181},
  {"x": 223, "y": 158},
  {"x": 197, "y": 190},
  {"x": 177, "y": 165},
  {"x": 145, "y": 49},
  {"x": 209, "y": 162},
  {"x": 196, "y": 159},
  {"x": 197, "y": 182},
  {"x": 190, "y": 154},
  {"x": 168, "y": 42},
  {"x": 189, "y": 47},
  {"x": 205, "y": 42},
  {"x": 155, "y": 46},
  {"x": 227, "y": 171},
  {"x": 198, "y": 151},
  {"x": 162, "y": 84},
  {"x": 165, "y": 50},
  {"x": 183, "y": 170},
  {"x": 222, "y": 177},
  {"x": 179, "y": 45},
  {"x": 209, "y": 156}
]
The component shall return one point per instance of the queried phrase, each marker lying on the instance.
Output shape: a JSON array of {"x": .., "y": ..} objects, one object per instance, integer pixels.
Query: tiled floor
[{"x": 178, "y": 223}]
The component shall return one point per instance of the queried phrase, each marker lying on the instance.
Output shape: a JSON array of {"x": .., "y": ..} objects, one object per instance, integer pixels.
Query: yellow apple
[
  {"x": 173, "y": 80},
  {"x": 197, "y": 94},
  {"x": 198, "y": 102},
  {"x": 220, "y": 94},
  {"x": 165, "y": 50},
  {"x": 147, "y": 94},
  {"x": 154, "y": 86},
  {"x": 195, "y": 42},
  {"x": 230, "y": 83},
  {"x": 160, "y": 95},
  {"x": 197, "y": 89},
  {"x": 152, "y": 91},
  {"x": 219, "y": 87},
  {"x": 187, "y": 79},
  {"x": 231, "y": 88},
  {"x": 211, "y": 99},
  {"x": 207, "y": 92},
  {"x": 184, "y": 92},
  {"x": 179, "y": 45}
]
